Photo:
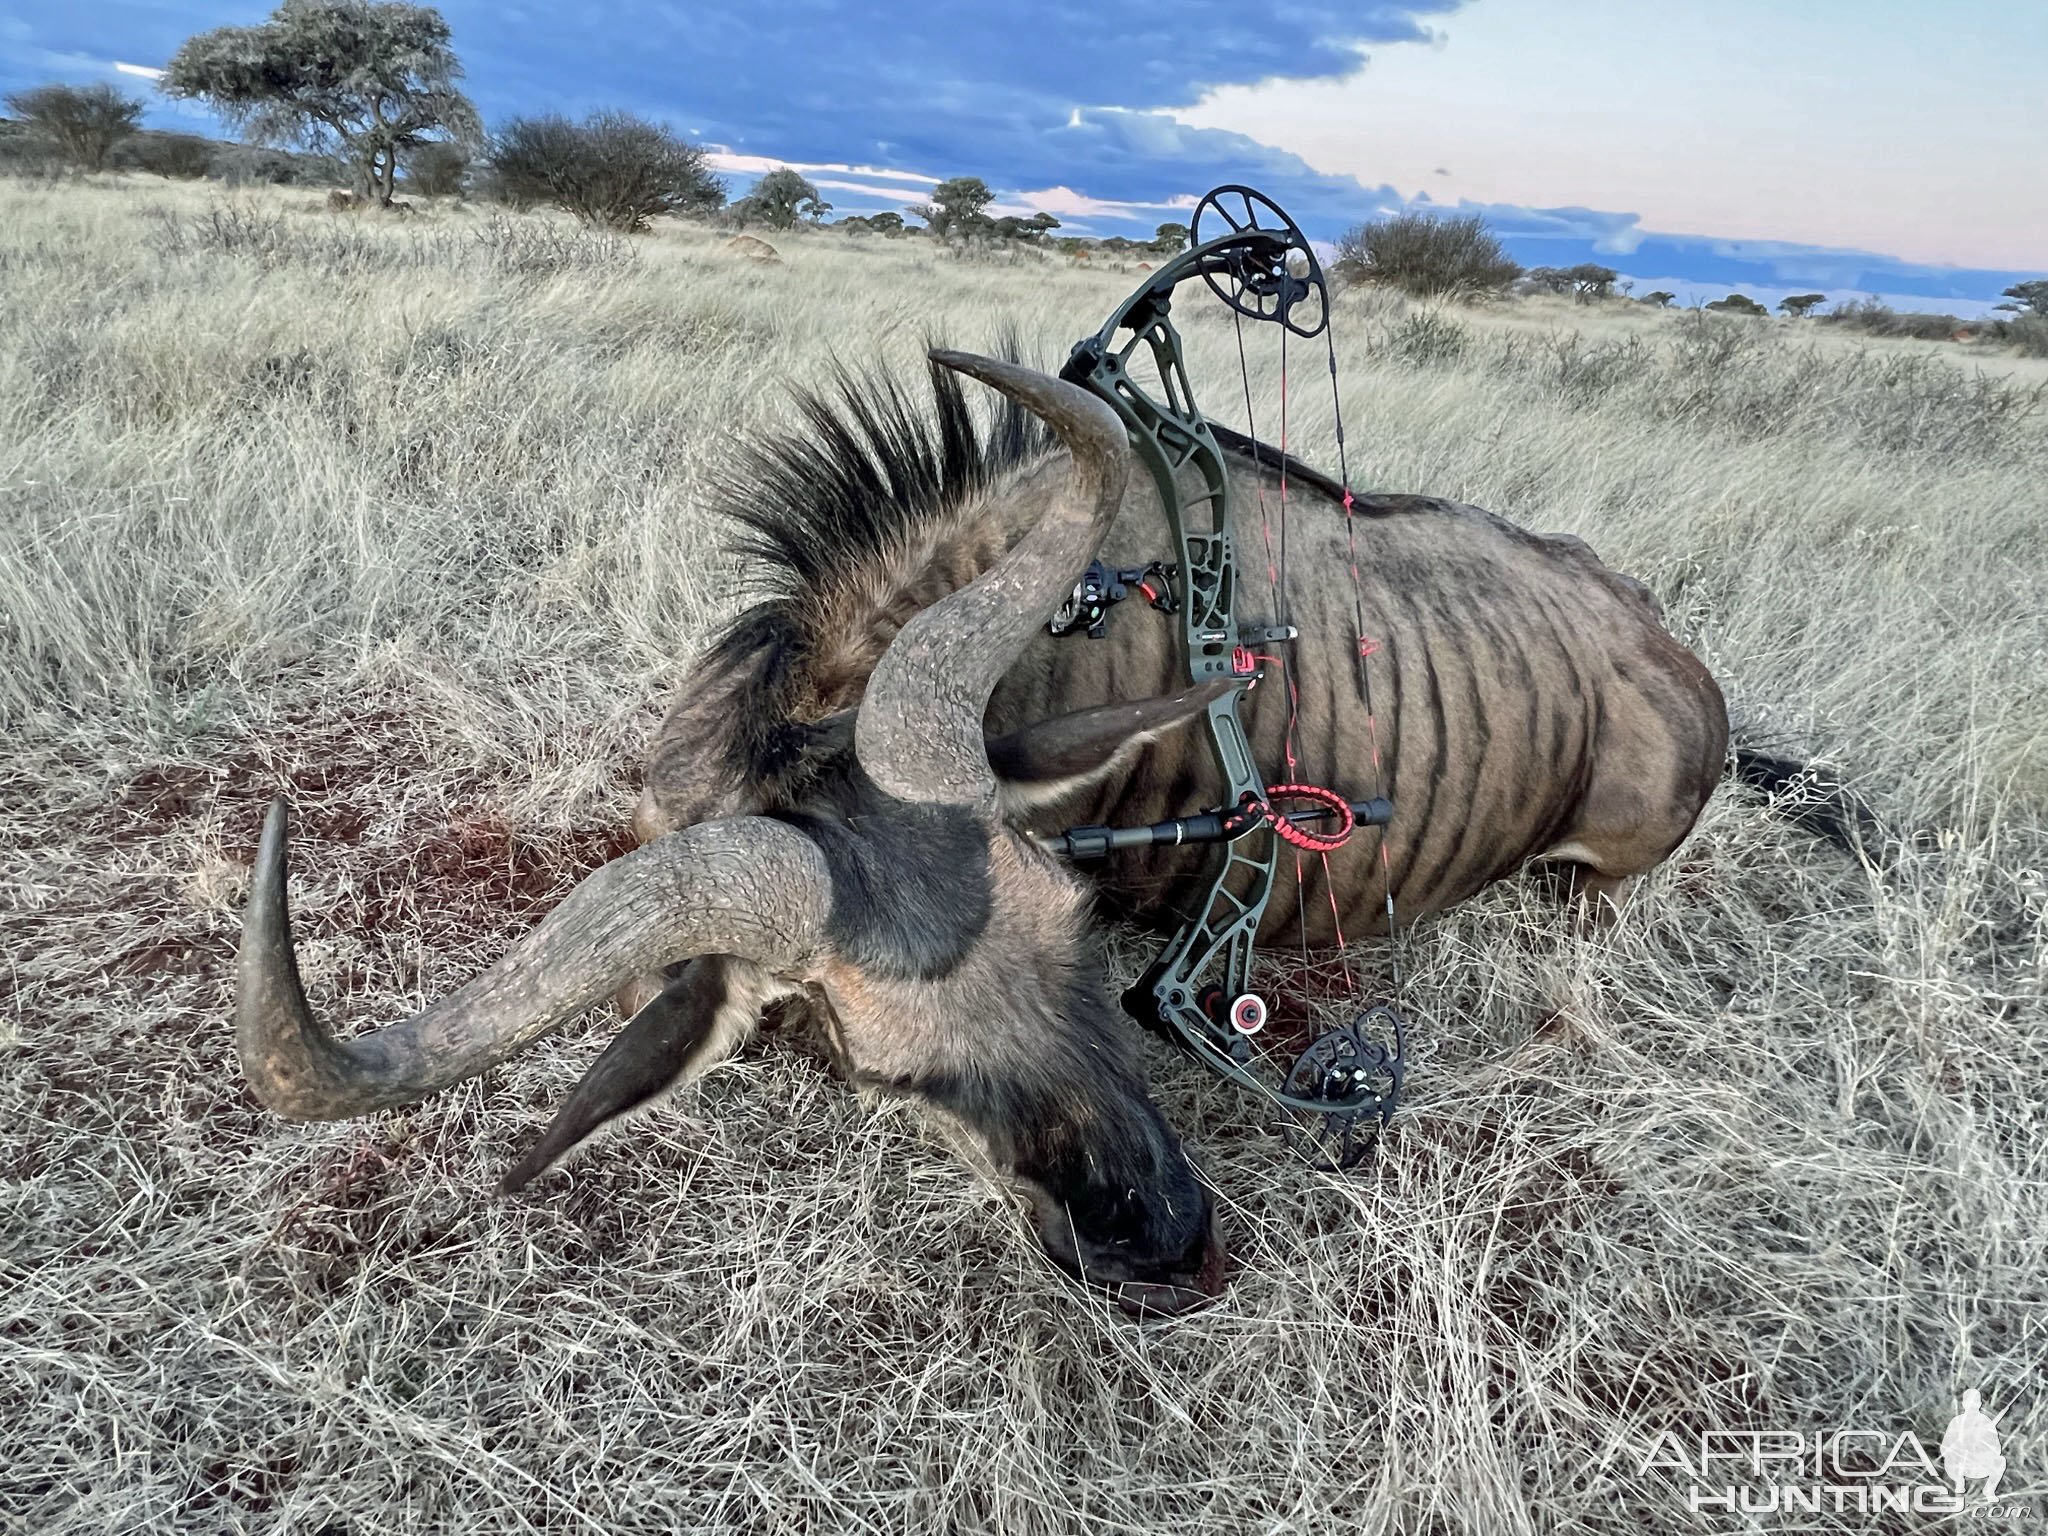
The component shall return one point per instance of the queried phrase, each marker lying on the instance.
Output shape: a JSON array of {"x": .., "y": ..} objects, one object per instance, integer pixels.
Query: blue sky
[{"x": 1850, "y": 146}]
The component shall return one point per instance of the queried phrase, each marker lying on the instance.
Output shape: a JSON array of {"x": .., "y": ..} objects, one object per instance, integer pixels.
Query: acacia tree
[
  {"x": 1170, "y": 238},
  {"x": 1590, "y": 281},
  {"x": 780, "y": 198},
  {"x": 81, "y": 123},
  {"x": 2028, "y": 298},
  {"x": 958, "y": 206},
  {"x": 1799, "y": 305},
  {"x": 363, "y": 79},
  {"x": 1031, "y": 231},
  {"x": 1660, "y": 298},
  {"x": 1738, "y": 304}
]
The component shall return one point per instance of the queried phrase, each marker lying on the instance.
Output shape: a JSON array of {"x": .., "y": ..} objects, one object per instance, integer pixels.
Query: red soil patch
[{"x": 443, "y": 878}]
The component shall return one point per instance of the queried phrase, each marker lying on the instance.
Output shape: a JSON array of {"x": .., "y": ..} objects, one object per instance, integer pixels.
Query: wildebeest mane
[
  {"x": 867, "y": 468},
  {"x": 854, "y": 517}
]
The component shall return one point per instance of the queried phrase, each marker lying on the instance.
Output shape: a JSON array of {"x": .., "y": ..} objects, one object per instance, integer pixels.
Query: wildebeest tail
[{"x": 1811, "y": 798}]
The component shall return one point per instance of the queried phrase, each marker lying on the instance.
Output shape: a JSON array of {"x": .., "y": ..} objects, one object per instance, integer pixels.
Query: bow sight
[{"x": 1257, "y": 261}]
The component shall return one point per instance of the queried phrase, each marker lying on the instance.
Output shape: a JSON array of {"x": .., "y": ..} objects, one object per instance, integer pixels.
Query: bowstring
[
  {"x": 1364, "y": 649},
  {"x": 1285, "y": 617},
  {"x": 1276, "y": 580}
]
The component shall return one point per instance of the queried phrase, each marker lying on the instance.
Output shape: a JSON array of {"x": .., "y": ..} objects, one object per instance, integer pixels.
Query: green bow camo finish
[{"x": 1264, "y": 269}]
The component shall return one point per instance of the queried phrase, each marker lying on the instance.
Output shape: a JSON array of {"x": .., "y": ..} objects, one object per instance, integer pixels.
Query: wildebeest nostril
[{"x": 1203, "y": 1283}]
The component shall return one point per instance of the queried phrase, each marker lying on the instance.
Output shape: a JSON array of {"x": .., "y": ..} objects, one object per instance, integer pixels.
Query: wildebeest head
[{"x": 888, "y": 881}]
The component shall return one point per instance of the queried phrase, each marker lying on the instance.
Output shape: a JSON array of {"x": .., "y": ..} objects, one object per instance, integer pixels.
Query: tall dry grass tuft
[{"x": 410, "y": 529}]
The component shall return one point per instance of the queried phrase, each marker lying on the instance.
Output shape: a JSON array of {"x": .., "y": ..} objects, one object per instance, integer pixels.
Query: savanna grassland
[{"x": 404, "y": 518}]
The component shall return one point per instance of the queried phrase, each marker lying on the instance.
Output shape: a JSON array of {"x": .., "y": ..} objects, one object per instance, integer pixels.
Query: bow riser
[{"x": 1210, "y": 958}]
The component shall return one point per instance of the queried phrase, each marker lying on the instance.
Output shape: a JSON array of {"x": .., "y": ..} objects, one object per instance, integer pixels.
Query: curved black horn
[
  {"x": 745, "y": 886},
  {"x": 919, "y": 729}
]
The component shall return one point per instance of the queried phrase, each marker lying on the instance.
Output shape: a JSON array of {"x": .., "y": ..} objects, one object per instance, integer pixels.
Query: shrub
[
  {"x": 2028, "y": 333},
  {"x": 22, "y": 153},
  {"x": 242, "y": 165},
  {"x": 79, "y": 124},
  {"x": 179, "y": 156},
  {"x": 1877, "y": 319},
  {"x": 1738, "y": 304},
  {"x": 1428, "y": 257},
  {"x": 437, "y": 169},
  {"x": 613, "y": 170},
  {"x": 1428, "y": 337}
]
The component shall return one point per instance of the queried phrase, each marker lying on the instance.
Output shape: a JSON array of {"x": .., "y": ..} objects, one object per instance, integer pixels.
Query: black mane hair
[{"x": 868, "y": 468}]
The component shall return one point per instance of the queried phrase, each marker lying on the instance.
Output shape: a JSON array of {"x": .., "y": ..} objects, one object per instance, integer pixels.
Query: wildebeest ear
[{"x": 1043, "y": 764}]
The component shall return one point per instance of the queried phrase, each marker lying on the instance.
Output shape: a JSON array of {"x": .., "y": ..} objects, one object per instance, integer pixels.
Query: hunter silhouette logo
[{"x": 1969, "y": 1446}]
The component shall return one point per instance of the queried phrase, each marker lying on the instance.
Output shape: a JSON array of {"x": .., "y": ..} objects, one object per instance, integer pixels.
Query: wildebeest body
[{"x": 1530, "y": 703}]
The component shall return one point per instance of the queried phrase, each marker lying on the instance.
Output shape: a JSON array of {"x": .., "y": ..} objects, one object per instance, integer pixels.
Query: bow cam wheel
[
  {"x": 1358, "y": 1077},
  {"x": 1269, "y": 271}
]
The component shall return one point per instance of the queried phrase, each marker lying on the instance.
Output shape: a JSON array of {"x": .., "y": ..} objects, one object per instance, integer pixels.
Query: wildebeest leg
[
  {"x": 1662, "y": 740},
  {"x": 696, "y": 1021},
  {"x": 1600, "y": 898}
]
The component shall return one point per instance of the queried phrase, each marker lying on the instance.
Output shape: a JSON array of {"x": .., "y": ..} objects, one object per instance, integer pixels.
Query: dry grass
[{"x": 401, "y": 517}]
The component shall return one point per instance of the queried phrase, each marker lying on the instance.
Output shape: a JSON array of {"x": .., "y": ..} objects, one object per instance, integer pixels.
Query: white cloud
[
  {"x": 890, "y": 195},
  {"x": 761, "y": 165},
  {"x": 142, "y": 71},
  {"x": 1066, "y": 202},
  {"x": 1620, "y": 242}
]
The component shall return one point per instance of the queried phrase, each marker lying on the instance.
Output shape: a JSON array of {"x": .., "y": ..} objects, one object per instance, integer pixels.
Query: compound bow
[{"x": 1199, "y": 988}]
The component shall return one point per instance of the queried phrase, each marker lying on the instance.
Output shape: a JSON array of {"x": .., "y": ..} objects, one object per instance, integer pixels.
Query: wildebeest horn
[
  {"x": 745, "y": 886},
  {"x": 918, "y": 734}
]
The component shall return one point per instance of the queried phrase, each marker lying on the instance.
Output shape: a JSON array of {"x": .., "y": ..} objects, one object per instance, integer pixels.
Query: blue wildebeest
[{"x": 839, "y": 809}]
